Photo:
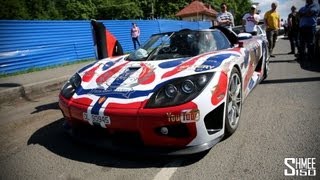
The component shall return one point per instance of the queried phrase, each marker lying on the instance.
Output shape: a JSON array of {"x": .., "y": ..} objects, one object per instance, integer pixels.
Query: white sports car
[{"x": 179, "y": 93}]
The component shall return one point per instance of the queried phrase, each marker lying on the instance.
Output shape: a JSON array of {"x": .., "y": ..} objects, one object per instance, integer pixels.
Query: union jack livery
[{"x": 179, "y": 93}]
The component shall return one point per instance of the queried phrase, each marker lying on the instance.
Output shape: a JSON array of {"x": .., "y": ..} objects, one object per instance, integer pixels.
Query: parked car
[
  {"x": 260, "y": 30},
  {"x": 179, "y": 93}
]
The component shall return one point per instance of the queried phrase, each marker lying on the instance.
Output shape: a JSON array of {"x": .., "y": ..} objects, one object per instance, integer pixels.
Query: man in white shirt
[
  {"x": 250, "y": 21},
  {"x": 225, "y": 18}
]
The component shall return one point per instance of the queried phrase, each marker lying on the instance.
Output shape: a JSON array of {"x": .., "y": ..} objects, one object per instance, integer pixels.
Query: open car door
[{"x": 105, "y": 43}]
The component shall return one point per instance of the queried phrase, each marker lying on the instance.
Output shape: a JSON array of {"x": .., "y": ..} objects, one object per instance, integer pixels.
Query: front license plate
[{"x": 97, "y": 119}]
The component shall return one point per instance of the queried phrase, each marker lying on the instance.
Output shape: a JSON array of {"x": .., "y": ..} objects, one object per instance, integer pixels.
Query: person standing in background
[
  {"x": 135, "y": 33},
  {"x": 272, "y": 22},
  {"x": 293, "y": 29},
  {"x": 225, "y": 18},
  {"x": 250, "y": 21},
  {"x": 285, "y": 27},
  {"x": 307, "y": 29}
]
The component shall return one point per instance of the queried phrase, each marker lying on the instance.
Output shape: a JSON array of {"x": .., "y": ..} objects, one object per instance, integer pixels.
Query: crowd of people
[
  {"x": 307, "y": 23},
  {"x": 300, "y": 27}
]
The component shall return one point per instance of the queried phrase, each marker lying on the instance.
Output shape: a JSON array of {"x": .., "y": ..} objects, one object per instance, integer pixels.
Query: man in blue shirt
[{"x": 307, "y": 29}]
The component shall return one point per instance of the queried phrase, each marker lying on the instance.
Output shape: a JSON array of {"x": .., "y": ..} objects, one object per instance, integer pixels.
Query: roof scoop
[{"x": 135, "y": 66}]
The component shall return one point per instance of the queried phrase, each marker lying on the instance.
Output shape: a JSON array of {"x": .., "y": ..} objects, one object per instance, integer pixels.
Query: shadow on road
[
  {"x": 9, "y": 85},
  {"x": 280, "y": 54},
  {"x": 54, "y": 105},
  {"x": 310, "y": 66},
  {"x": 283, "y": 61},
  {"x": 53, "y": 138},
  {"x": 295, "y": 80}
]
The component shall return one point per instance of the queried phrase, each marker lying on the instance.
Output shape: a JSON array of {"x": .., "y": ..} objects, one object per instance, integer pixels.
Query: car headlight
[
  {"x": 188, "y": 86},
  {"x": 170, "y": 91},
  {"x": 70, "y": 87},
  {"x": 75, "y": 80},
  {"x": 179, "y": 91}
]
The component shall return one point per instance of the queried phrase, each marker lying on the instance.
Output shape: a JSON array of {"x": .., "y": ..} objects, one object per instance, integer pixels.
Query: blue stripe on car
[
  {"x": 173, "y": 63},
  {"x": 110, "y": 64},
  {"x": 213, "y": 62}
]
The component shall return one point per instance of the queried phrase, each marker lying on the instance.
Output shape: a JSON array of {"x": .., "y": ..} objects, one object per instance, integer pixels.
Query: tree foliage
[
  {"x": 13, "y": 9},
  {"x": 107, "y": 9},
  {"x": 114, "y": 9}
]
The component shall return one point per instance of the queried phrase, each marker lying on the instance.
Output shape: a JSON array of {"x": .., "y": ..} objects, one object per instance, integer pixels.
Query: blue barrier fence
[{"x": 33, "y": 44}]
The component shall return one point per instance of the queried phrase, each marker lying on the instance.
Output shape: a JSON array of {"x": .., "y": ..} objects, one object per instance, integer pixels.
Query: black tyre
[{"x": 266, "y": 65}]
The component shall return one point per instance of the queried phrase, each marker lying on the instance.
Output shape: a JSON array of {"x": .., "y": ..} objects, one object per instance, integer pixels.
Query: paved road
[{"x": 280, "y": 119}]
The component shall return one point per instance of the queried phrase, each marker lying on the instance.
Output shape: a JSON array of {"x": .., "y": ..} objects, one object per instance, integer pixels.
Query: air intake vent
[{"x": 214, "y": 120}]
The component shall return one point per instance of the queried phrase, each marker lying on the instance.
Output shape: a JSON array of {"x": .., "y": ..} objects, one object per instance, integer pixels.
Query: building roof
[{"x": 197, "y": 7}]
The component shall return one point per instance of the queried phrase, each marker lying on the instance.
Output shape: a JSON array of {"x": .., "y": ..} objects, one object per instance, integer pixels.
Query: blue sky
[{"x": 284, "y": 6}]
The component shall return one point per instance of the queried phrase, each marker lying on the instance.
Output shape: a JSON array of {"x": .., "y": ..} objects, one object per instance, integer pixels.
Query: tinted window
[{"x": 222, "y": 41}]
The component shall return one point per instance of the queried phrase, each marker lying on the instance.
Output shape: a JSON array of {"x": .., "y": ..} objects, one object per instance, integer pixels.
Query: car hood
[{"x": 122, "y": 81}]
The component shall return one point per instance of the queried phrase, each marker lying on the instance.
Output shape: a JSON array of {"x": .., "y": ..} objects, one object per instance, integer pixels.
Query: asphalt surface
[{"x": 279, "y": 120}]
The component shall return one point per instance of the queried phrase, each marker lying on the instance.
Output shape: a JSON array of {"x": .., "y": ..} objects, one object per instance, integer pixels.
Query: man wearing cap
[
  {"x": 272, "y": 22},
  {"x": 225, "y": 18},
  {"x": 250, "y": 21}
]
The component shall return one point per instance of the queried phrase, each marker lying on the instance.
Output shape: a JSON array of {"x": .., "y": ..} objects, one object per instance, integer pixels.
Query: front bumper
[
  {"x": 137, "y": 130},
  {"x": 129, "y": 142}
]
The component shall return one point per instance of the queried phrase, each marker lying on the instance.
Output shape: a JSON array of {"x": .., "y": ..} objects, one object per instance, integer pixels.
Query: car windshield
[{"x": 180, "y": 44}]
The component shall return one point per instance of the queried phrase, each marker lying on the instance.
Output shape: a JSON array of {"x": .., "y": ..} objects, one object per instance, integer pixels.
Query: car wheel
[
  {"x": 265, "y": 70},
  {"x": 234, "y": 102},
  {"x": 266, "y": 65}
]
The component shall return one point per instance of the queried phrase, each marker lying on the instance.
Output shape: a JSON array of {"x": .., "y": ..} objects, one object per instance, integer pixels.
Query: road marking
[{"x": 168, "y": 170}]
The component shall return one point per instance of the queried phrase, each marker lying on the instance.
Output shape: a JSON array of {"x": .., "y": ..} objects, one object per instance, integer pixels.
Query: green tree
[
  {"x": 52, "y": 11},
  {"x": 13, "y": 9},
  {"x": 169, "y": 8},
  {"x": 83, "y": 9},
  {"x": 108, "y": 9},
  {"x": 36, "y": 9},
  {"x": 113, "y": 9}
]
